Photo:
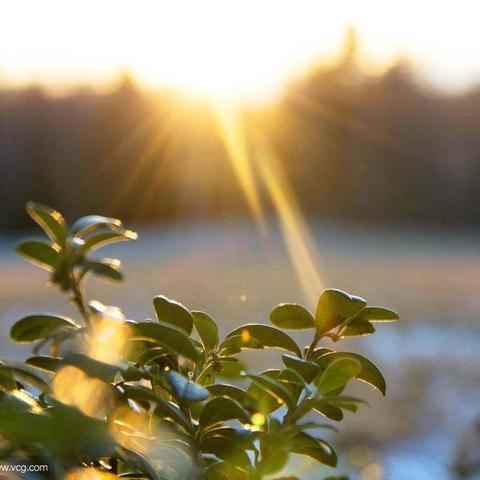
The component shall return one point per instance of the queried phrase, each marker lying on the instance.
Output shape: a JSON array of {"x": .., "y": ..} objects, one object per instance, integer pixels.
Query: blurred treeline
[{"x": 367, "y": 148}]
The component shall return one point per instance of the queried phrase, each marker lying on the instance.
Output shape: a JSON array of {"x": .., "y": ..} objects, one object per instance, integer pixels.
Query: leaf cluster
[{"x": 176, "y": 402}]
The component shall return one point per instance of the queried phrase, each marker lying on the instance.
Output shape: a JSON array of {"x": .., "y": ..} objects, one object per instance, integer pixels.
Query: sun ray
[
  {"x": 232, "y": 134},
  {"x": 249, "y": 153},
  {"x": 296, "y": 234}
]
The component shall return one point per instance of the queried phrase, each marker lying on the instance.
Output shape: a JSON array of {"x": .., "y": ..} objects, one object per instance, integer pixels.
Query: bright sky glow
[{"x": 240, "y": 47}]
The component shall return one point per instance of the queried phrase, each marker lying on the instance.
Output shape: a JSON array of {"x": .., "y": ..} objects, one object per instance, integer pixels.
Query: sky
[{"x": 240, "y": 47}]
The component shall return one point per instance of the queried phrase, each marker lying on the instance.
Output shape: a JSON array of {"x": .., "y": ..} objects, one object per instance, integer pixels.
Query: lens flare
[
  {"x": 109, "y": 337},
  {"x": 72, "y": 387}
]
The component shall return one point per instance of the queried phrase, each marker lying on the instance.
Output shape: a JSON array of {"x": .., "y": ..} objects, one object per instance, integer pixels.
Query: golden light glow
[
  {"x": 244, "y": 48},
  {"x": 72, "y": 387},
  {"x": 131, "y": 429},
  {"x": 89, "y": 474},
  {"x": 109, "y": 337}
]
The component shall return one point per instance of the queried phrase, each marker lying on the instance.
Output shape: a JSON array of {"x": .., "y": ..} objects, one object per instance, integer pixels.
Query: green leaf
[
  {"x": 51, "y": 221},
  {"x": 90, "y": 223},
  {"x": 207, "y": 330},
  {"x": 308, "y": 370},
  {"x": 337, "y": 374},
  {"x": 93, "y": 368},
  {"x": 237, "y": 343},
  {"x": 266, "y": 402},
  {"x": 274, "y": 388},
  {"x": 241, "y": 396},
  {"x": 320, "y": 450},
  {"x": 7, "y": 380},
  {"x": 139, "y": 462},
  {"x": 170, "y": 337},
  {"x": 319, "y": 352},
  {"x": 226, "y": 448},
  {"x": 345, "y": 402},
  {"x": 231, "y": 370},
  {"x": 37, "y": 327},
  {"x": 106, "y": 267},
  {"x": 101, "y": 239},
  {"x": 170, "y": 311},
  {"x": 45, "y": 363},
  {"x": 221, "y": 409},
  {"x": 39, "y": 253},
  {"x": 379, "y": 314},
  {"x": 291, "y": 376},
  {"x": 151, "y": 354},
  {"x": 292, "y": 316},
  {"x": 132, "y": 374},
  {"x": 369, "y": 374},
  {"x": 70, "y": 434},
  {"x": 328, "y": 410},
  {"x": 225, "y": 471},
  {"x": 268, "y": 336},
  {"x": 25, "y": 375},
  {"x": 60, "y": 432},
  {"x": 139, "y": 393},
  {"x": 166, "y": 409},
  {"x": 184, "y": 390},
  {"x": 357, "y": 327},
  {"x": 334, "y": 307}
]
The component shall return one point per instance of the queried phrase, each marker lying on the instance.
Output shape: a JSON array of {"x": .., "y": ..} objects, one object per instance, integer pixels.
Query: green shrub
[{"x": 167, "y": 398}]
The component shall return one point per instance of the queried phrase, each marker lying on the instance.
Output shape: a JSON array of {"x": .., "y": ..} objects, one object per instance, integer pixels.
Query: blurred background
[{"x": 264, "y": 151}]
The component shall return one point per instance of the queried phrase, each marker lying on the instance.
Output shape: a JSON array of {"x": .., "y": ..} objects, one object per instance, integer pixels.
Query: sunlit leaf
[
  {"x": 166, "y": 409},
  {"x": 90, "y": 223},
  {"x": 379, "y": 314},
  {"x": 226, "y": 448},
  {"x": 268, "y": 336},
  {"x": 237, "y": 343},
  {"x": 37, "y": 327},
  {"x": 51, "y": 221},
  {"x": 7, "y": 380},
  {"x": 337, "y": 374},
  {"x": 369, "y": 373},
  {"x": 39, "y": 253},
  {"x": 170, "y": 311},
  {"x": 345, "y": 402},
  {"x": 334, "y": 307},
  {"x": 45, "y": 363},
  {"x": 308, "y": 370},
  {"x": 292, "y": 316},
  {"x": 94, "y": 242},
  {"x": 328, "y": 410},
  {"x": 170, "y": 337},
  {"x": 274, "y": 388},
  {"x": 108, "y": 268},
  {"x": 236, "y": 393},
  {"x": 207, "y": 329},
  {"x": 221, "y": 409},
  {"x": 358, "y": 327},
  {"x": 225, "y": 471},
  {"x": 320, "y": 450},
  {"x": 139, "y": 462},
  {"x": 288, "y": 375}
]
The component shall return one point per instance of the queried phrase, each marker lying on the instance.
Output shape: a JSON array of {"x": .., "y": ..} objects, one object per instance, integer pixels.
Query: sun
[{"x": 220, "y": 49}]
